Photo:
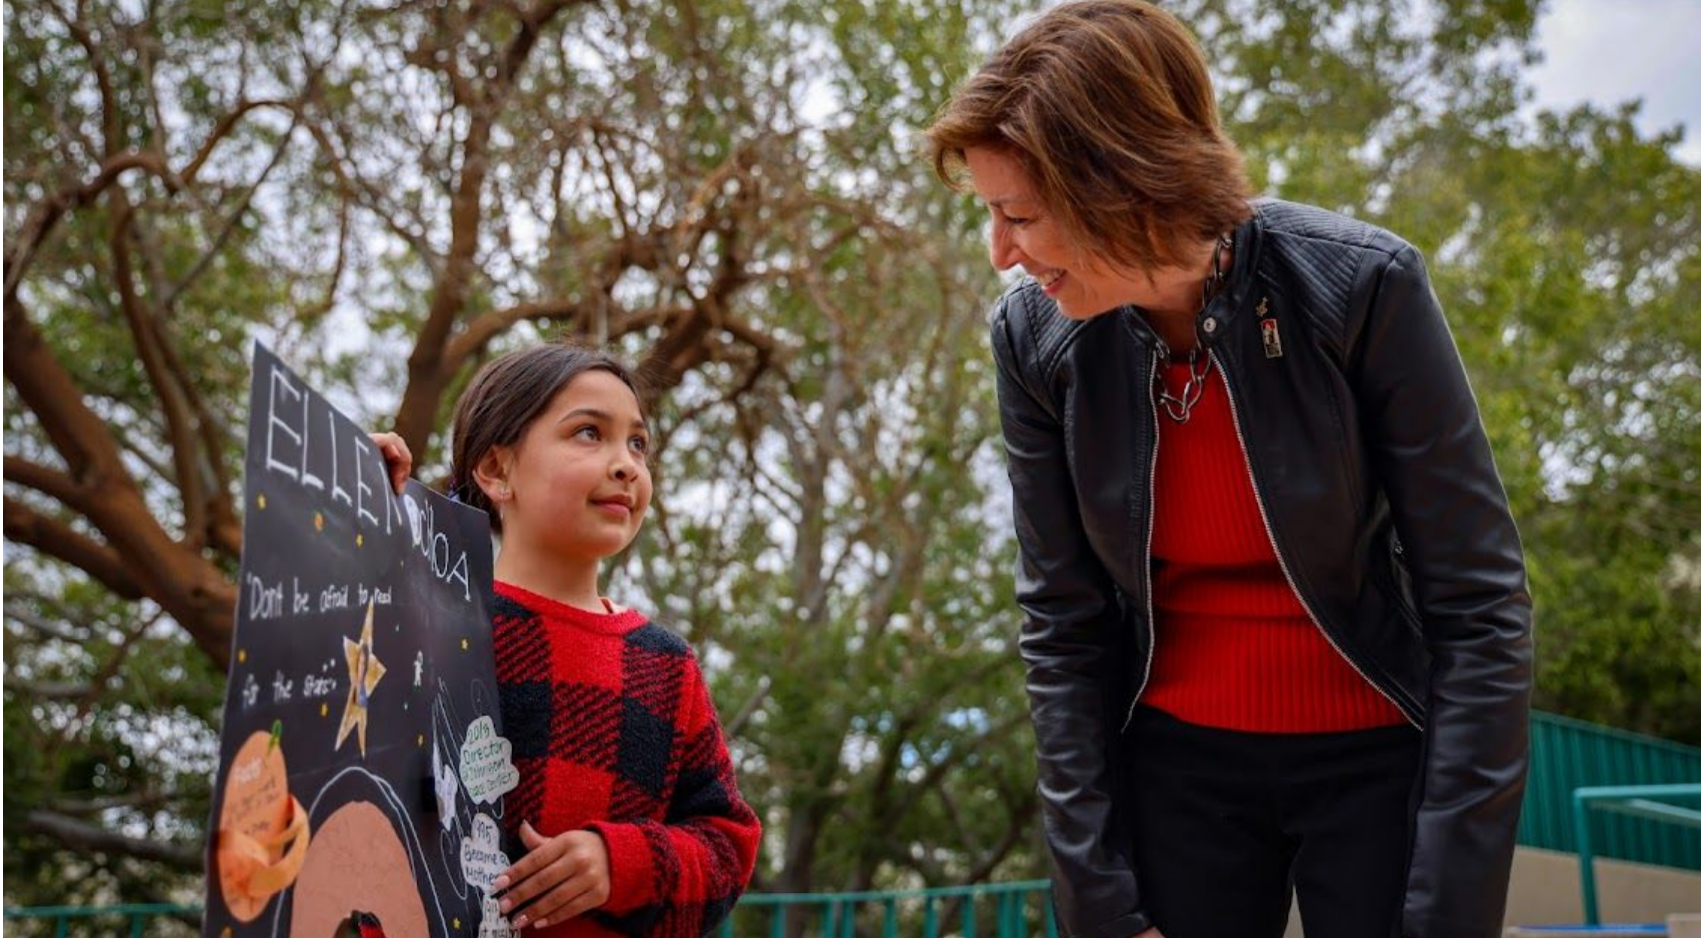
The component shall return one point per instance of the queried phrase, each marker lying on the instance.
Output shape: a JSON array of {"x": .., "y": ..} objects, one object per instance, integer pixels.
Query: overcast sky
[{"x": 1608, "y": 51}]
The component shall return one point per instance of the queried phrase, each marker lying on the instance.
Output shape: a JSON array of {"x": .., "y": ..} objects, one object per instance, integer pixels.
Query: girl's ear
[{"x": 491, "y": 473}]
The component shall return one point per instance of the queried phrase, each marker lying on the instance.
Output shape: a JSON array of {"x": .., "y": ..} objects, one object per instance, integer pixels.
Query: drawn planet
[
  {"x": 263, "y": 832},
  {"x": 356, "y": 862}
]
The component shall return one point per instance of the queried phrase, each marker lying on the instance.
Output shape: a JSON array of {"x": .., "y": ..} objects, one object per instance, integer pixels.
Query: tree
[
  {"x": 730, "y": 193},
  {"x": 446, "y": 178}
]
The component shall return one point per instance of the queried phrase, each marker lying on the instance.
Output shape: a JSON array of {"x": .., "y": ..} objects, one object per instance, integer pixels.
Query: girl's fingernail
[
  {"x": 504, "y": 906},
  {"x": 499, "y": 884},
  {"x": 540, "y": 923},
  {"x": 520, "y": 921}
]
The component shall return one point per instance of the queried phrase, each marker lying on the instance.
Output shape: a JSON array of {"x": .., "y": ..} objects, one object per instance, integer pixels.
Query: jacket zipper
[
  {"x": 1159, "y": 353},
  {"x": 1270, "y": 534}
]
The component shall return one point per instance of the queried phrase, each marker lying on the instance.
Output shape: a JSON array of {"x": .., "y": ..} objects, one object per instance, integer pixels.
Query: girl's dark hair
[{"x": 505, "y": 397}]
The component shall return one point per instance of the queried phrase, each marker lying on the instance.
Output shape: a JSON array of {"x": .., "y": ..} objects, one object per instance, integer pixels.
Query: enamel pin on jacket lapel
[{"x": 1268, "y": 329}]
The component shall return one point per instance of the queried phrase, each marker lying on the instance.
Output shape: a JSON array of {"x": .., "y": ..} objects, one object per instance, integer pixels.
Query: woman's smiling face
[{"x": 1024, "y": 232}]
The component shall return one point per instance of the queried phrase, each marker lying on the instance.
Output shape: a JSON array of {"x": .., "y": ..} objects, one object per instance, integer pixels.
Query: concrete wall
[{"x": 1545, "y": 891}]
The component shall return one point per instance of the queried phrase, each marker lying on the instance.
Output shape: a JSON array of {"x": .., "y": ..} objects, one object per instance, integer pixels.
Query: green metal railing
[
  {"x": 1636, "y": 801},
  {"x": 989, "y": 910},
  {"x": 134, "y": 918},
  {"x": 1011, "y": 910},
  {"x": 1569, "y": 754}
]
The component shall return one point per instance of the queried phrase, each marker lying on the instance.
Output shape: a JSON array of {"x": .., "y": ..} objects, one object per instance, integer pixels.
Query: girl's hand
[
  {"x": 562, "y": 876},
  {"x": 1150, "y": 933},
  {"x": 396, "y": 458}
]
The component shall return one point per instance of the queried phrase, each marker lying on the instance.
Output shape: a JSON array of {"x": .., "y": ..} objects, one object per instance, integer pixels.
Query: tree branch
[
  {"x": 42, "y": 625},
  {"x": 169, "y": 384},
  {"x": 92, "y": 838},
  {"x": 47, "y": 213},
  {"x": 48, "y": 481},
  {"x": 488, "y": 326},
  {"x": 25, "y": 525},
  {"x": 47, "y": 690}
]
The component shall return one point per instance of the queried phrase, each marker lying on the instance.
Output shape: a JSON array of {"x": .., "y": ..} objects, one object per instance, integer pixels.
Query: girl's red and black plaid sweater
[{"x": 613, "y": 731}]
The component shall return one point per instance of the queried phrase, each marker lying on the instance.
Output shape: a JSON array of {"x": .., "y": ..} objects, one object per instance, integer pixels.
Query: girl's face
[
  {"x": 577, "y": 485},
  {"x": 1024, "y": 232}
]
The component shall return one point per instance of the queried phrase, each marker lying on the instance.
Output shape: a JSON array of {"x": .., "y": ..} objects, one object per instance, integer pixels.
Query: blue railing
[{"x": 1638, "y": 801}]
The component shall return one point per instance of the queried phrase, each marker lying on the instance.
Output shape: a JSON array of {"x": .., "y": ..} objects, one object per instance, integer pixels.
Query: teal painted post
[
  {"x": 930, "y": 919},
  {"x": 136, "y": 926},
  {"x": 777, "y": 922},
  {"x": 1005, "y": 930},
  {"x": 848, "y": 919},
  {"x": 889, "y": 927},
  {"x": 827, "y": 923},
  {"x": 969, "y": 916},
  {"x": 61, "y": 926},
  {"x": 1586, "y": 859}
]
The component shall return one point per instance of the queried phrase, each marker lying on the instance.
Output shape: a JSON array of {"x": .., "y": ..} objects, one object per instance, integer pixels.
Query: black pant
[{"x": 1229, "y": 826}]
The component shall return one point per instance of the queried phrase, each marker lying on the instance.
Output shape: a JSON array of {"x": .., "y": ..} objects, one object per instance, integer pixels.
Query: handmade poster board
[{"x": 362, "y": 765}]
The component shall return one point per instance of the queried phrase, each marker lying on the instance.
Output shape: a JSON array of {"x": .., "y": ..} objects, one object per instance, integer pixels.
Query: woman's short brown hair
[{"x": 1109, "y": 108}]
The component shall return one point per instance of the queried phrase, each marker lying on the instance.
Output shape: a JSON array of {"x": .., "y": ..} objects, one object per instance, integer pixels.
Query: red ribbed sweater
[{"x": 1234, "y": 647}]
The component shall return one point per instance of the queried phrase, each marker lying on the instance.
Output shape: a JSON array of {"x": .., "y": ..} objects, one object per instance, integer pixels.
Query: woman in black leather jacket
[{"x": 1276, "y": 628}]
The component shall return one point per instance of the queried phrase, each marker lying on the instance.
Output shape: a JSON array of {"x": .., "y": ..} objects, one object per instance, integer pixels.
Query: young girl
[{"x": 627, "y": 804}]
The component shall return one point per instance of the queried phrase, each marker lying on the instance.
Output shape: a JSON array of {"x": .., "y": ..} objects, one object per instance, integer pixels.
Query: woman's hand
[
  {"x": 397, "y": 459},
  {"x": 561, "y": 876},
  {"x": 1150, "y": 933}
]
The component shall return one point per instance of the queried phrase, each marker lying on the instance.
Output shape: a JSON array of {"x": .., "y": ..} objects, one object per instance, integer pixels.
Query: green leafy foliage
[{"x": 831, "y": 529}]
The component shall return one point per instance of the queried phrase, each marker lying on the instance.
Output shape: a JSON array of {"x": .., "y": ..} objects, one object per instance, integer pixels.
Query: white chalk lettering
[
  {"x": 337, "y": 490},
  {"x": 244, "y": 772},
  {"x": 307, "y": 478},
  {"x": 334, "y": 597},
  {"x": 361, "y": 489},
  {"x": 264, "y": 601},
  {"x": 274, "y": 423}
]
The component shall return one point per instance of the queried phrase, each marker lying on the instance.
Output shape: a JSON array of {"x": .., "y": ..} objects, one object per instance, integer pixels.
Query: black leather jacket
[{"x": 1379, "y": 491}]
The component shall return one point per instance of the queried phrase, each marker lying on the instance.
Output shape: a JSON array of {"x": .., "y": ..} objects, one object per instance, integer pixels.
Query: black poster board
[{"x": 361, "y": 763}]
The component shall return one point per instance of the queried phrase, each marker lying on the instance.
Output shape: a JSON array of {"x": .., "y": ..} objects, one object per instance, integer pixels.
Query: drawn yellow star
[
  {"x": 360, "y": 539},
  {"x": 457, "y": 924},
  {"x": 242, "y": 656},
  {"x": 420, "y": 741},
  {"x": 261, "y": 501},
  {"x": 324, "y": 709},
  {"x": 464, "y": 644},
  {"x": 318, "y": 521},
  {"x": 364, "y": 672}
]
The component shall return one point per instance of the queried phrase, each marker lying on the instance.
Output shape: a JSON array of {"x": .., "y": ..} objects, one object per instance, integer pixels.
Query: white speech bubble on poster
[
  {"x": 494, "y": 924},
  {"x": 482, "y": 859},
  {"x": 487, "y": 763}
]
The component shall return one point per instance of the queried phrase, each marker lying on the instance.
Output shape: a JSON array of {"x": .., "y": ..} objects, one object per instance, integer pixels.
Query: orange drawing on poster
[{"x": 263, "y": 831}]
